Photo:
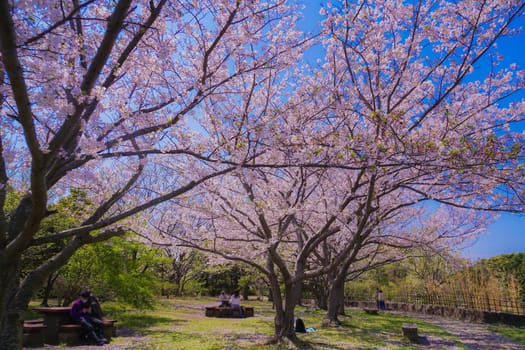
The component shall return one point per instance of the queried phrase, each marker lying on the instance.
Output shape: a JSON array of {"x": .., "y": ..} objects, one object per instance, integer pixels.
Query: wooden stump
[
  {"x": 248, "y": 311},
  {"x": 410, "y": 331}
]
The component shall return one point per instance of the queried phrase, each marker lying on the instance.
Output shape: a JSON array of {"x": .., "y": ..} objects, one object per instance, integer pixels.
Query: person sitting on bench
[
  {"x": 81, "y": 313},
  {"x": 224, "y": 299},
  {"x": 96, "y": 310},
  {"x": 235, "y": 302}
]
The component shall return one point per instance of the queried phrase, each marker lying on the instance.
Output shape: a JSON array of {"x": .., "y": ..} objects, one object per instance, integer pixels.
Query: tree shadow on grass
[
  {"x": 322, "y": 339},
  {"x": 347, "y": 324},
  {"x": 356, "y": 331},
  {"x": 177, "y": 337},
  {"x": 316, "y": 345},
  {"x": 421, "y": 340},
  {"x": 143, "y": 322}
]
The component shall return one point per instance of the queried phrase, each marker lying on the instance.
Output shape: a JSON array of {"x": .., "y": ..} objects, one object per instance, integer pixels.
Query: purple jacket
[{"x": 77, "y": 309}]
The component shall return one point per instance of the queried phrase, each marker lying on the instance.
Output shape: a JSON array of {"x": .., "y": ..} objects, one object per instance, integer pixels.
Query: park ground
[{"x": 179, "y": 323}]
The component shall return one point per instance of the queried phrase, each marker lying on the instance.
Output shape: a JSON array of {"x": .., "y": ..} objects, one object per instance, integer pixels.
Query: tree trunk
[
  {"x": 320, "y": 287},
  {"x": 284, "y": 323},
  {"x": 336, "y": 298},
  {"x": 270, "y": 296},
  {"x": 322, "y": 301},
  {"x": 49, "y": 287},
  {"x": 15, "y": 293},
  {"x": 47, "y": 292},
  {"x": 284, "y": 320},
  {"x": 246, "y": 292},
  {"x": 286, "y": 329},
  {"x": 11, "y": 330},
  {"x": 10, "y": 315}
]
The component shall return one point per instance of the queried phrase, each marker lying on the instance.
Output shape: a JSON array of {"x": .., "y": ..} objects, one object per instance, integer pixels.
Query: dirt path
[{"x": 474, "y": 336}]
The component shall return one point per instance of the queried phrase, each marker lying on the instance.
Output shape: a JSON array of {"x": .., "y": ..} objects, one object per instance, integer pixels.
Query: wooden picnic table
[
  {"x": 54, "y": 317},
  {"x": 58, "y": 324}
]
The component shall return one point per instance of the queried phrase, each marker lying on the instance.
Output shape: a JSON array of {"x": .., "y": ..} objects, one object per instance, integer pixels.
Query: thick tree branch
[
  {"x": 127, "y": 213},
  {"x": 70, "y": 128}
]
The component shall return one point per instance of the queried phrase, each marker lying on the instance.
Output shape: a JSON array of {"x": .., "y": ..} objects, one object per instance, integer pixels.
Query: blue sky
[{"x": 507, "y": 234}]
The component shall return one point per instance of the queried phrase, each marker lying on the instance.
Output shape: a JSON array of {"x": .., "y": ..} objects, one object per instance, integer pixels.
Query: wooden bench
[
  {"x": 371, "y": 311},
  {"x": 228, "y": 312},
  {"x": 110, "y": 330},
  {"x": 410, "y": 331},
  {"x": 38, "y": 321},
  {"x": 69, "y": 334},
  {"x": 33, "y": 334}
]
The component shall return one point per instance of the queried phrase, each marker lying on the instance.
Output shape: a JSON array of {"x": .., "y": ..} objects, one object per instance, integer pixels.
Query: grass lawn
[
  {"x": 181, "y": 324},
  {"x": 516, "y": 333}
]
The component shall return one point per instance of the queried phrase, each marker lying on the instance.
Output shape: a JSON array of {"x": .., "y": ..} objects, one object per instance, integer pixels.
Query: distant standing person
[
  {"x": 235, "y": 301},
  {"x": 380, "y": 299}
]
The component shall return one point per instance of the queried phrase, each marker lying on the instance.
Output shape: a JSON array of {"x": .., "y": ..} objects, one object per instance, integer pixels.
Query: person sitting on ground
[
  {"x": 82, "y": 313},
  {"x": 224, "y": 299},
  {"x": 299, "y": 326},
  {"x": 235, "y": 301}
]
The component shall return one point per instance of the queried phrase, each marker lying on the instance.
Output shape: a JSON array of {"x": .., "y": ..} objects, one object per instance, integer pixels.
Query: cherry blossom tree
[
  {"x": 145, "y": 104},
  {"x": 109, "y": 97},
  {"x": 266, "y": 218},
  {"x": 393, "y": 236},
  {"x": 295, "y": 224},
  {"x": 406, "y": 103},
  {"x": 184, "y": 266},
  {"x": 395, "y": 111}
]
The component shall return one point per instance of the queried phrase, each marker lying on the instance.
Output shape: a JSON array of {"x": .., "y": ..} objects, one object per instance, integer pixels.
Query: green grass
[
  {"x": 516, "y": 333},
  {"x": 181, "y": 324},
  {"x": 365, "y": 331},
  {"x": 177, "y": 324}
]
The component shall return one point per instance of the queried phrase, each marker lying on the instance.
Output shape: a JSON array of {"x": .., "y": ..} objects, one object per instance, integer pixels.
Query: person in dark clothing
[
  {"x": 82, "y": 313},
  {"x": 380, "y": 299},
  {"x": 96, "y": 310},
  {"x": 299, "y": 326}
]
